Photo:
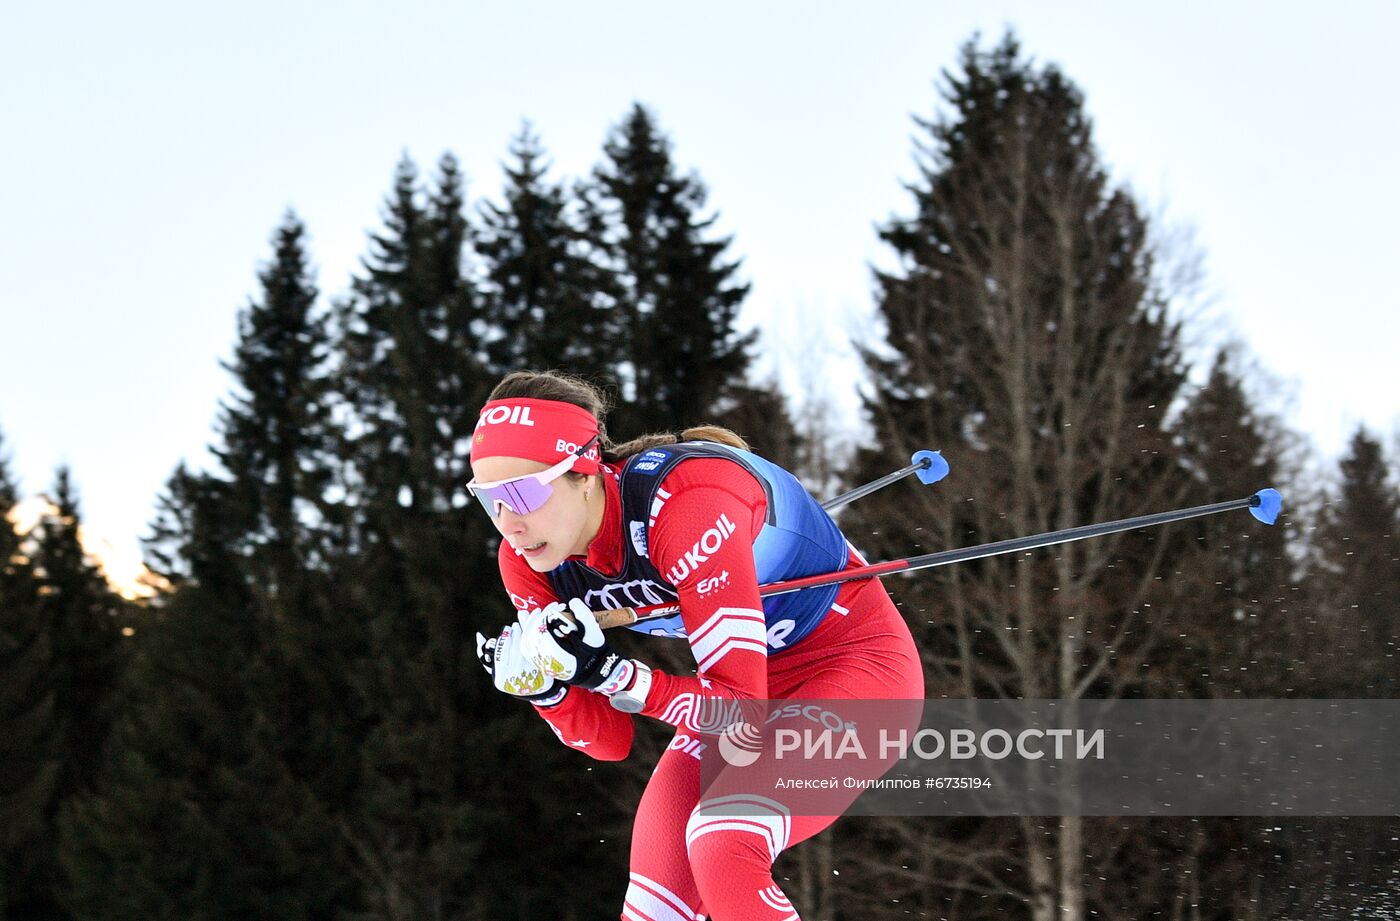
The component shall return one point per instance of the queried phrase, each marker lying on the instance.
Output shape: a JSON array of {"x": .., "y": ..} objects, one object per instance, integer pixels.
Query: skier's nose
[{"x": 511, "y": 524}]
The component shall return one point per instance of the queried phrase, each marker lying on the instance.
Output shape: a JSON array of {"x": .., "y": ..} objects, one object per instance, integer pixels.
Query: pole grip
[{"x": 617, "y": 617}]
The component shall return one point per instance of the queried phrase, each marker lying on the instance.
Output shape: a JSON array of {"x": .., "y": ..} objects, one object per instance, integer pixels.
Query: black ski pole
[
  {"x": 1263, "y": 505},
  {"x": 929, "y": 465}
]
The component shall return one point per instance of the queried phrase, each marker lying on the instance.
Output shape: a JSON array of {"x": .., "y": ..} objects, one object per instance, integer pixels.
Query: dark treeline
[{"x": 296, "y": 727}]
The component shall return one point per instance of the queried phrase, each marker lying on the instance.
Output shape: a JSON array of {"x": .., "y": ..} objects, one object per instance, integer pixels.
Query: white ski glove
[
  {"x": 513, "y": 672},
  {"x": 574, "y": 650}
]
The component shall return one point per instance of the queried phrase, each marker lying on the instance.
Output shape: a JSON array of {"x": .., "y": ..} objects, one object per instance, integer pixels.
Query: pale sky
[{"x": 150, "y": 148}]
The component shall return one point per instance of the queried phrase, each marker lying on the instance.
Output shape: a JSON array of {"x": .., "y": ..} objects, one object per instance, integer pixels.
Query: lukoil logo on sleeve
[{"x": 708, "y": 544}]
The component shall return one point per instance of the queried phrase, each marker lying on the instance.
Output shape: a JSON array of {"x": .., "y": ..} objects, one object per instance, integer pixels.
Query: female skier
[{"x": 589, "y": 526}]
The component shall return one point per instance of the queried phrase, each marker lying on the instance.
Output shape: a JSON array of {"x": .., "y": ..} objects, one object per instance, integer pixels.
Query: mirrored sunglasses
[{"x": 524, "y": 494}]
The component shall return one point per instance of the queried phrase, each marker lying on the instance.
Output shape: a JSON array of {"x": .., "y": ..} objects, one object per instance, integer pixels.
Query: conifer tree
[
  {"x": 276, "y": 450},
  {"x": 242, "y": 679},
  {"x": 82, "y": 618},
  {"x": 547, "y": 301},
  {"x": 410, "y": 386},
  {"x": 29, "y": 769},
  {"x": 1361, "y": 558},
  {"x": 1231, "y": 624},
  {"x": 680, "y": 349},
  {"x": 1027, "y": 339},
  {"x": 272, "y": 429},
  {"x": 85, "y": 619},
  {"x": 1233, "y": 606}
]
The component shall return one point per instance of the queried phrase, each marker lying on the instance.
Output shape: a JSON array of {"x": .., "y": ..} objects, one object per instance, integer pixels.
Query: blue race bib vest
[{"x": 798, "y": 538}]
